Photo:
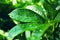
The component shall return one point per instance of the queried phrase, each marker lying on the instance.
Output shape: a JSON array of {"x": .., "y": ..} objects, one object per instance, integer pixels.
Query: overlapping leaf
[
  {"x": 20, "y": 28},
  {"x": 39, "y": 10},
  {"x": 15, "y": 31},
  {"x": 25, "y": 15}
]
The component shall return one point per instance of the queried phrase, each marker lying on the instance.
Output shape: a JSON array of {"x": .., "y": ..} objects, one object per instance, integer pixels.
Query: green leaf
[
  {"x": 15, "y": 31},
  {"x": 50, "y": 9},
  {"x": 25, "y": 15},
  {"x": 57, "y": 18},
  {"x": 37, "y": 34},
  {"x": 53, "y": 2},
  {"x": 38, "y": 9},
  {"x": 20, "y": 28}
]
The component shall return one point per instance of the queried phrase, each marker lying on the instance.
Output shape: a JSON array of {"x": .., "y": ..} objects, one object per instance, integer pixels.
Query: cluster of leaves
[{"x": 35, "y": 19}]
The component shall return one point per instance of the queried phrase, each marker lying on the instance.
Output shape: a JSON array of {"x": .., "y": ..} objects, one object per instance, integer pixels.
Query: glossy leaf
[
  {"x": 57, "y": 18},
  {"x": 20, "y": 28},
  {"x": 25, "y": 15},
  {"x": 15, "y": 31},
  {"x": 38, "y": 9}
]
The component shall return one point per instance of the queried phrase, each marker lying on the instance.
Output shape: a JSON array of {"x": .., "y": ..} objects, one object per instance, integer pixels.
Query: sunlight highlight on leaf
[{"x": 14, "y": 2}]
